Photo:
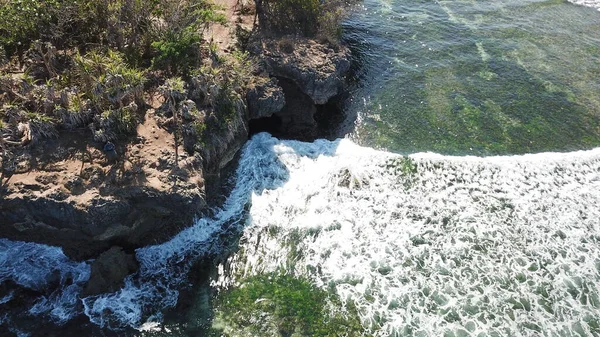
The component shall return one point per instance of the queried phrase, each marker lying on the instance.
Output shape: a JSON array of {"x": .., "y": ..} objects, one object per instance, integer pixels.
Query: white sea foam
[
  {"x": 505, "y": 245},
  {"x": 588, "y": 3},
  {"x": 463, "y": 245},
  {"x": 47, "y": 270}
]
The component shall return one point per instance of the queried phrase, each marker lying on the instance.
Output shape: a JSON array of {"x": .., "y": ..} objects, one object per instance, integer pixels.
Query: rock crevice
[{"x": 305, "y": 75}]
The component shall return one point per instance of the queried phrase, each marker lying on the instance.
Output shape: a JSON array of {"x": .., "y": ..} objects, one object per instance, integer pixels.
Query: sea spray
[
  {"x": 425, "y": 244},
  {"x": 48, "y": 271},
  {"x": 433, "y": 245}
]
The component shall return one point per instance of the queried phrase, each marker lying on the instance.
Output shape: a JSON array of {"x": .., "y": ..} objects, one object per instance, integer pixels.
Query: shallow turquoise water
[{"x": 477, "y": 77}]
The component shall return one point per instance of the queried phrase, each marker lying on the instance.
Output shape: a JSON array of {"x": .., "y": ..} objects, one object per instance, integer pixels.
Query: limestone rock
[
  {"x": 131, "y": 216},
  {"x": 219, "y": 148},
  {"x": 265, "y": 99},
  {"x": 318, "y": 69}
]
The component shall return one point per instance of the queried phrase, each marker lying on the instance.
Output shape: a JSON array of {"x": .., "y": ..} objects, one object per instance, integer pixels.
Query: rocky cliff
[
  {"x": 101, "y": 203},
  {"x": 305, "y": 74}
]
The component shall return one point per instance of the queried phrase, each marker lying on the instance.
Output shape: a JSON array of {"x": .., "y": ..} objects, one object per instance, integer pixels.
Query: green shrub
[
  {"x": 330, "y": 30},
  {"x": 309, "y": 18},
  {"x": 107, "y": 79},
  {"x": 122, "y": 120},
  {"x": 177, "y": 45},
  {"x": 177, "y": 53},
  {"x": 23, "y": 21},
  {"x": 225, "y": 104},
  {"x": 114, "y": 89},
  {"x": 290, "y": 16}
]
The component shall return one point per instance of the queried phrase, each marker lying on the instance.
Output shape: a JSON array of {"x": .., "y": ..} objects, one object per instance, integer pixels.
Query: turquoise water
[{"x": 477, "y": 77}]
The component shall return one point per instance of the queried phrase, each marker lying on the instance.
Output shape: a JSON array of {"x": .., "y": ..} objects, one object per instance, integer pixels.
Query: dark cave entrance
[
  {"x": 301, "y": 118},
  {"x": 271, "y": 125}
]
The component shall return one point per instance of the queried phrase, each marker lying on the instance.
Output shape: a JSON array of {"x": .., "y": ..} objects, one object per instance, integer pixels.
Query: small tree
[
  {"x": 289, "y": 16},
  {"x": 174, "y": 92}
]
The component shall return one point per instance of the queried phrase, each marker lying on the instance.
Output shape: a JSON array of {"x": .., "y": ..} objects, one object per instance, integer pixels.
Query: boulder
[{"x": 109, "y": 271}]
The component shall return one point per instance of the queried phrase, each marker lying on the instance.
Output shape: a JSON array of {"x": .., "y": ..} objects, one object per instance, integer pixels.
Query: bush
[
  {"x": 128, "y": 26},
  {"x": 177, "y": 53},
  {"x": 107, "y": 80},
  {"x": 22, "y": 21},
  {"x": 114, "y": 89},
  {"x": 177, "y": 47},
  {"x": 290, "y": 16},
  {"x": 308, "y": 18}
]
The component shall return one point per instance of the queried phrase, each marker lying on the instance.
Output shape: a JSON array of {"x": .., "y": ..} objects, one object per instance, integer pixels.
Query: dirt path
[{"x": 237, "y": 12}]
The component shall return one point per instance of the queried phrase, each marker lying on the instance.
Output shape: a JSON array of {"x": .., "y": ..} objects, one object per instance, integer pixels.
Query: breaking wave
[
  {"x": 46, "y": 270},
  {"x": 433, "y": 245},
  {"x": 588, "y": 3},
  {"x": 425, "y": 244}
]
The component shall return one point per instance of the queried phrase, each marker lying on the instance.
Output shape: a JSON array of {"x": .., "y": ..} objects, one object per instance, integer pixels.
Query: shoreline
[{"x": 67, "y": 191}]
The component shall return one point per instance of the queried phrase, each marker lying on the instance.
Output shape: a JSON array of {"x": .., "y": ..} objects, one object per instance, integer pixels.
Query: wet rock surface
[{"x": 109, "y": 271}]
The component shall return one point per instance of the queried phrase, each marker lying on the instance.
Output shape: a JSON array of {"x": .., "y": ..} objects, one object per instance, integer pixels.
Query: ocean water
[
  {"x": 463, "y": 201},
  {"x": 466, "y": 77},
  {"x": 431, "y": 245}
]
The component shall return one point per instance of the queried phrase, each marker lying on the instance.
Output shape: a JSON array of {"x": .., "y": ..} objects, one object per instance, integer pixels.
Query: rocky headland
[{"x": 102, "y": 197}]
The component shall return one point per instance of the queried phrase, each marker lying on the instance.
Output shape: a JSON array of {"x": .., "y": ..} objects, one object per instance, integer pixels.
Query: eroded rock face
[
  {"x": 297, "y": 116},
  {"x": 304, "y": 75},
  {"x": 265, "y": 99},
  {"x": 317, "y": 69},
  {"x": 131, "y": 217},
  {"x": 109, "y": 271},
  {"x": 70, "y": 195}
]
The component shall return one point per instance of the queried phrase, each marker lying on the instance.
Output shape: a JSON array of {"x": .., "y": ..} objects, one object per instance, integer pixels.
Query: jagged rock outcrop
[
  {"x": 224, "y": 132},
  {"x": 66, "y": 192},
  {"x": 220, "y": 148},
  {"x": 265, "y": 99},
  {"x": 319, "y": 70},
  {"x": 109, "y": 271},
  {"x": 130, "y": 217},
  {"x": 307, "y": 74}
]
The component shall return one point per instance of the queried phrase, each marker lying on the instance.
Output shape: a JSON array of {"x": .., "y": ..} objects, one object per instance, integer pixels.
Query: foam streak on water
[
  {"x": 588, "y": 3},
  {"x": 436, "y": 244},
  {"x": 47, "y": 270}
]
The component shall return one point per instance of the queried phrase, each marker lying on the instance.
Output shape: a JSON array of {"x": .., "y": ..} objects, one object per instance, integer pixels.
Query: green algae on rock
[{"x": 277, "y": 304}]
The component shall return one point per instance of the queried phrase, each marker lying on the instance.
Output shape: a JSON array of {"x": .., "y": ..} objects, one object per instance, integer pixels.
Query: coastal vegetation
[
  {"x": 76, "y": 65},
  {"x": 86, "y": 64},
  {"x": 117, "y": 110}
]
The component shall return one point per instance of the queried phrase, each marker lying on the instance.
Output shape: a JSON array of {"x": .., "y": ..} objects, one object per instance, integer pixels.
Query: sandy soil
[{"x": 237, "y": 12}]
